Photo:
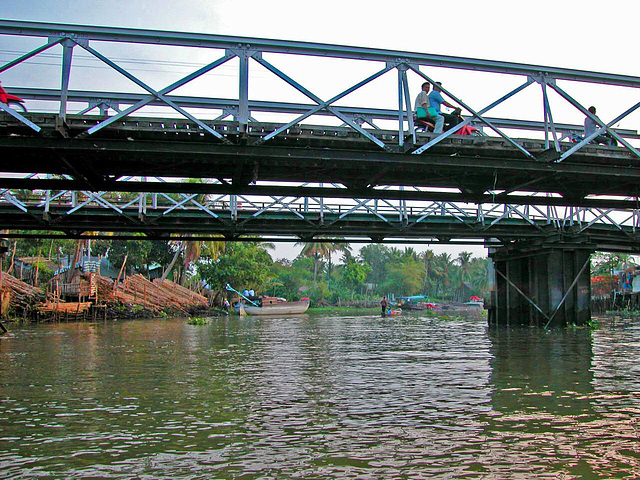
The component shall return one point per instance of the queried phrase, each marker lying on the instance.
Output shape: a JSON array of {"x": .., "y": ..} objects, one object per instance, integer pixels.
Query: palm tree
[
  {"x": 443, "y": 271},
  {"x": 464, "y": 269},
  {"x": 410, "y": 252},
  {"x": 480, "y": 274},
  {"x": 266, "y": 246},
  {"x": 428, "y": 259},
  {"x": 318, "y": 250},
  {"x": 193, "y": 251}
]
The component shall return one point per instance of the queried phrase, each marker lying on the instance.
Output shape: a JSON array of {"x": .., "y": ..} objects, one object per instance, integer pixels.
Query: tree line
[{"x": 327, "y": 272}]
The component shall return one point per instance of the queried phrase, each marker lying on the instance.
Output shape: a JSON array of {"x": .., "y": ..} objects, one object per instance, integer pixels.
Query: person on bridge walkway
[
  {"x": 590, "y": 127},
  {"x": 424, "y": 111},
  {"x": 436, "y": 100},
  {"x": 383, "y": 306}
]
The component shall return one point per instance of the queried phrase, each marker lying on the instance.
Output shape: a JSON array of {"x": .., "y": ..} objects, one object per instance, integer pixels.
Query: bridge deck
[{"x": 168, "y": 147}]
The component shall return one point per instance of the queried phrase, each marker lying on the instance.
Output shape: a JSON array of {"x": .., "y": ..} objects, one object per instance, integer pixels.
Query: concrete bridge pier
[{"x": 544, "y": 287}]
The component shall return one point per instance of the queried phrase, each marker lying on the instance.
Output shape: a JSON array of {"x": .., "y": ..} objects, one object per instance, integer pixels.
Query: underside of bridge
[
  {"x": 470, "y": 166},
  {"x": 541, "y": 267}
]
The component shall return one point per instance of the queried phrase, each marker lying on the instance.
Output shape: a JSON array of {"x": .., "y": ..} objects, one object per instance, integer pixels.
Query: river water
[{"x": 319, "y": 397}]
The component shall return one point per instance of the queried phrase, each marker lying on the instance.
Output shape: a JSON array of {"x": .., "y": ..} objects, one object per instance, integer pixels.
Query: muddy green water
[{"x": 319, "y": 397}]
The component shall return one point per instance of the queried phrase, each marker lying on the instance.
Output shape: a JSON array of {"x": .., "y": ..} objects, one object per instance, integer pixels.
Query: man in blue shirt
[{"x": 436, "y": 100}]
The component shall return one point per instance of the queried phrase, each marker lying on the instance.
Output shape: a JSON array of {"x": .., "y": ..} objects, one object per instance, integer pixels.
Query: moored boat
[{"x": 272, "y": 306}]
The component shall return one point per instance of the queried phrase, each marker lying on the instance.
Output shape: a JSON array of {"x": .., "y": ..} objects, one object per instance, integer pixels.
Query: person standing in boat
[{"x": 383, "y": 306}]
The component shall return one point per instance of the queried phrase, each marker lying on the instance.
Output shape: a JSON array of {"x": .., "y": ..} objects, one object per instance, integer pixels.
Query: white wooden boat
[{"x": 279, "y": 308}]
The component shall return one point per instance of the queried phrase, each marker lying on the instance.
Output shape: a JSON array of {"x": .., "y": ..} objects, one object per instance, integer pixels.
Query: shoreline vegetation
[
  {"x": 135, "y": 297},
  {"x": 145, "y": 279}
]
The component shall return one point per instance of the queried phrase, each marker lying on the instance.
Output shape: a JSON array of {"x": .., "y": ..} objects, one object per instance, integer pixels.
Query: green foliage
[
  {"x": 406, "y": 277},
  {"x": 319, "y": 293},
  {"x": 607, "y": 263},
  {"x": 354, "y": 274},
  {"x": 377, "y": 257},
  {"x": 31, "y": 247},
  {"x": 291, "y": 276},
  {"x": 197, "y": 321},
  {"x": 313, "y": 273},
  {"x": 243, "y": 265},
  {"x": 593, "y": 324},
  {"x": 136, "y": 251}
]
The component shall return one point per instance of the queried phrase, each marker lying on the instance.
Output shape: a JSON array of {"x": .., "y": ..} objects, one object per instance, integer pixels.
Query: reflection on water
[{"x": 319, "y": 397}]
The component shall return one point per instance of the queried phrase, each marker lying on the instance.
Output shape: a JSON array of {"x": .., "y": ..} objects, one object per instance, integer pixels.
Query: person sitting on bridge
[
  {"x": 436, "y": 100},
  {"x": 590, "y": 127},
  {"x": 426, "y": 113}
]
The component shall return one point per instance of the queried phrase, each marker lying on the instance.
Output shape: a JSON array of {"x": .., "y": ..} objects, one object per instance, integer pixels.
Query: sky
[{"x": 588, "y": 35}]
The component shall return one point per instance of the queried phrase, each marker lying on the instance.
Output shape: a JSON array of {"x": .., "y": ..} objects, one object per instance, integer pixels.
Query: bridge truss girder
[{"x": 290, "y": 218}]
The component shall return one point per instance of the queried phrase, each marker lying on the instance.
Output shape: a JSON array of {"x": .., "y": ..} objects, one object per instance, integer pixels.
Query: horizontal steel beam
[
  {"x": 137, "y": 186},
  {"x": 189, "y": 151},
  {"x": 200, "y": 40}
]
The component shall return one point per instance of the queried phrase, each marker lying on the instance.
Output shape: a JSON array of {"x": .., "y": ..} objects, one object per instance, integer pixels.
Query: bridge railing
[
  {"x": 241, "y": 210},
  {"x": 273, "y": 57}
]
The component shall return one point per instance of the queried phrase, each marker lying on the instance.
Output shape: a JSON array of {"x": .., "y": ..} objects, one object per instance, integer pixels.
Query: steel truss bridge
[{"x": 101, "y": 159}]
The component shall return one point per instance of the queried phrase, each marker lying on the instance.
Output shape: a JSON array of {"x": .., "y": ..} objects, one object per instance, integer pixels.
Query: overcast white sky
[{"x": 589, "y": 35}]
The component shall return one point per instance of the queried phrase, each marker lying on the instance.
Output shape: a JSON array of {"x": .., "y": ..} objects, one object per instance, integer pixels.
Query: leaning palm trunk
[
  {"x": 76, "y": 257},
  {"x": 173, "y": 262}
]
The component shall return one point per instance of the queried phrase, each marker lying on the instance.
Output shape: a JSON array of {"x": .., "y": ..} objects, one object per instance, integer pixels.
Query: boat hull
[{"x": 286, "y": 308}]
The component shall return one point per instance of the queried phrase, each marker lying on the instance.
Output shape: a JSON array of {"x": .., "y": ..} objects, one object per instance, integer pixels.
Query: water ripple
[{"x": 319, "y": 397}]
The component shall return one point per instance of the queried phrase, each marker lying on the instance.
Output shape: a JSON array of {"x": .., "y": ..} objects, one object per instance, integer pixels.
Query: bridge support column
[{"x": 550, "y": 287}]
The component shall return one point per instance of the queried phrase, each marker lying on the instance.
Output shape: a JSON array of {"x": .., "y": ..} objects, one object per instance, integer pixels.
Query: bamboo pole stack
[
  {"x": 22, "y": 295},
  {"x": 156, "y": 296},
  {"x": 74, "y": 308},
  {"x": 181, "y": 294}
]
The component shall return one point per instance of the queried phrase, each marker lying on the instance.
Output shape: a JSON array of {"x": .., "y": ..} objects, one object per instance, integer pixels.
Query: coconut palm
[
  {"x": 442, "y": 270},
  {"x": 428, "y": 259},
  {"x": 464, "y": 270},
  {"x": 319, "y": 250},
  {"x": 480, "y": 274}
]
